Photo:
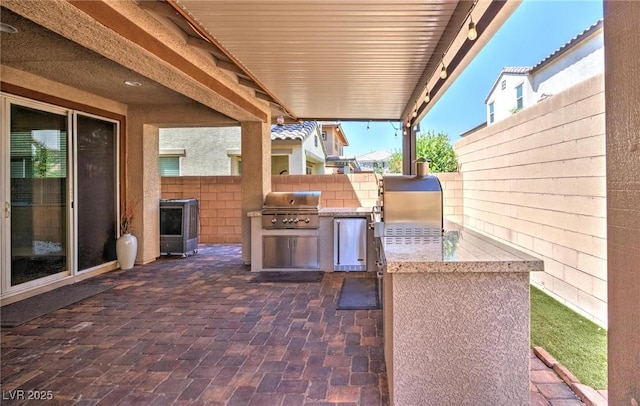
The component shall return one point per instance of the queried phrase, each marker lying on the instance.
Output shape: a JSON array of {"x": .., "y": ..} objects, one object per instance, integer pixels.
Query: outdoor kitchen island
[
  {"x": 456, "y": 318},
  {"x": 323, "y": 236}
]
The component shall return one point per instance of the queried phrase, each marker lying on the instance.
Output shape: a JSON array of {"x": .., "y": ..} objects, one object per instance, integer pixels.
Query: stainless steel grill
[
  {"x": 411, "y": 205},
  {"x": 291, "y": 210}
]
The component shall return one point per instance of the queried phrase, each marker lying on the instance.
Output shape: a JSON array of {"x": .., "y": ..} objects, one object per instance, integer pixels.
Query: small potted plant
[{"x": 127, "y": 244}]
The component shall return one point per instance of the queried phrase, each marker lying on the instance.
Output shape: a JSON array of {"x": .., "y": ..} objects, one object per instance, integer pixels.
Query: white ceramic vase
[{"x": 126, "y": 250}]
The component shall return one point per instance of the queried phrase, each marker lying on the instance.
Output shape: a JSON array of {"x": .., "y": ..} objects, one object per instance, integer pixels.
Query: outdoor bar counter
[{"x": 456, "y": 319}]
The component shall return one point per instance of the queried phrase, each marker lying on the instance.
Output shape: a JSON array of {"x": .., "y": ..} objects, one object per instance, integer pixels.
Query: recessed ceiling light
[
  {"x": 4, "y": 27},
  {"x": 132, "y": 83}
]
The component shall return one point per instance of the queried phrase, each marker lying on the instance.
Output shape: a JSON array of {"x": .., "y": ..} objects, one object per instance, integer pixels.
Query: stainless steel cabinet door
[
  {"x": 304, "y": 252},
  {"x": 290, "y": 252},
  {"x": 276, "y": 251}
]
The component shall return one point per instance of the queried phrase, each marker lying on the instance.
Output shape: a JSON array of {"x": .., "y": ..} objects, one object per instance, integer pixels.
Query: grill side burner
[{"x": 291, "y": 210}]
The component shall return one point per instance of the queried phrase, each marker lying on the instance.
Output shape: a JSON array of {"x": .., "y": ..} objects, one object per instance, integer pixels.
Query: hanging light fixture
[
  {"x": 368, "y": 125},
  {"x": 473, "y": 33},
  {"x": 395, "y": 128},
  {"x": 427, "y": 97},
  {"x": 443, "y": 71},
  {"x": 415, "y": 112}
]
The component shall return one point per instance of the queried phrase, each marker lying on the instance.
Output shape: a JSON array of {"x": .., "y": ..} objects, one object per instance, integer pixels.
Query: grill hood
[
  {"x": 409, "y": 183},
  {"x": 412, "y": 202},
  {"x": 292, "y": 200}
]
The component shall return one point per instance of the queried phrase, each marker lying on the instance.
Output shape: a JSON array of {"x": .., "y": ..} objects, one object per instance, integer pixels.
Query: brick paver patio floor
[{"x": 197, "y": 331}]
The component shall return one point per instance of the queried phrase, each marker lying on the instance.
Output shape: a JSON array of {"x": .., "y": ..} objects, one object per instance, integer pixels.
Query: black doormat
[
  {"x": 359, "y": 294},
  {"x": 17, "y": 313},
  {"x": 288, "y": 277}
]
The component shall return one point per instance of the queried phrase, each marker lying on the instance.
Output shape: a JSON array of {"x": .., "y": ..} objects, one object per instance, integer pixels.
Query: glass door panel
[
  {"x": 96, "y": 201},
  {"x": 38, "y": 193}
]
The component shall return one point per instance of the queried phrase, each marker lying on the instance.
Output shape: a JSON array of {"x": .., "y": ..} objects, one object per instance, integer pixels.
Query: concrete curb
[{"x": 586, "y": 394}]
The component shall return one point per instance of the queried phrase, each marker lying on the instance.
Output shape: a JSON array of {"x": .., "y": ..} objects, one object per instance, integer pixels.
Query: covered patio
[
  {"x": 146, "y": 65},
  {"x": 198, "y": 331}
]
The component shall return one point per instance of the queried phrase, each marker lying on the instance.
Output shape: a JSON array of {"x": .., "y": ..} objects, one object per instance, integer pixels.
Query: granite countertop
[
  {"x": 345, "y": 211},
  {"x": 459, "y": 249}
]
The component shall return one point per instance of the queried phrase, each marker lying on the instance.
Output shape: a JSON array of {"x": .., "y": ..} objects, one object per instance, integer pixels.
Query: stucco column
[
  {"x": 256, "y": 175},
  {"x": 142, "y": 177},
  {"x": 622, "y": 94}
]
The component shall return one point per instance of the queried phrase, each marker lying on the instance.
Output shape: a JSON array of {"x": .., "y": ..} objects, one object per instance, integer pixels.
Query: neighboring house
[
  {"x": 375, "y": 161},
  {"x": 335, "y": 140},
  {"x": 516, "y": 88},
  {"x": 207, "y": 151},
  {"x": 333, "y": 137},
  {"x": 296, "y": 149}
]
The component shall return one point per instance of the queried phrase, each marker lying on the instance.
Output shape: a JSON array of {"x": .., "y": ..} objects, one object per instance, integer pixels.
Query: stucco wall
[
  {"x": 220, "y": 197},
  {"x": 205, "y": 148},
  {"x": 449, "y": 341},
  {"x": 536, "y": 180}
]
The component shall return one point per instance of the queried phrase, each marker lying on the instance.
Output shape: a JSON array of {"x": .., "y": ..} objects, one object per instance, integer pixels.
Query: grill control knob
[
  {"x": 273, "y": 220},
  {"x": 307, "y": 220},
  {"x": 296, "y": 220},
  {"x": 290, "y": 220},
  {"x": 284, "y": 220}
]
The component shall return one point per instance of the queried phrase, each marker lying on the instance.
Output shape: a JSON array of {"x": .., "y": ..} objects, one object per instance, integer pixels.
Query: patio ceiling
[
  {"x": 309, "y": 60},
  {"x": 338, "y": 60}
]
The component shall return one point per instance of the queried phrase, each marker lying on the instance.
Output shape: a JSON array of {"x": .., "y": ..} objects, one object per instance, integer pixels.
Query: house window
[
  {"x": 169, "y": 166},
  {"x": 491, "y": 113},
  {"x": 324, "y": 135},
  {"x": 309, "y": 170},
  {"x": 519, "y": 99},
  {"x": 503, "y": 85},
  {"x": 315, "y": 140}
]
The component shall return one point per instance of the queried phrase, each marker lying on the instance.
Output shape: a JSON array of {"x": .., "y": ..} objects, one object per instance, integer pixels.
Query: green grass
[{"x": 574, "y": 341}]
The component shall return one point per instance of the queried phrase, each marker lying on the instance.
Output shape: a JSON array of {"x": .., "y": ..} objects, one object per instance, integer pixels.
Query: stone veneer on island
[{"x": 456, "y": 319}]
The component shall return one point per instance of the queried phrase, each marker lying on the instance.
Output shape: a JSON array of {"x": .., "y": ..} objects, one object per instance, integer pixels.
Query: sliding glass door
[
  {"x": 97, "y": 184},
  {"x": 59, "y": 188},
  {"x": 37, "y": 207}
]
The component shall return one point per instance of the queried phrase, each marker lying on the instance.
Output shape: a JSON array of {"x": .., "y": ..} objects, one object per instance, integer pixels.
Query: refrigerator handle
[{"x": 338, "y": 237}]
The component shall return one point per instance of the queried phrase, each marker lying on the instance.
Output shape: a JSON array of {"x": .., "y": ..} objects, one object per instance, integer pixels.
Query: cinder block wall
[
  {"x": 219, "y": 201},
  {"x": 350, "y": 190},
  {"x": 219, "y": 197},
  {"x": 536, "y": 180}
]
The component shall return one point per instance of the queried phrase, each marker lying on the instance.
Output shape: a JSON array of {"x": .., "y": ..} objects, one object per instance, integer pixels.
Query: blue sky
[{"x": 534, "y": 30}]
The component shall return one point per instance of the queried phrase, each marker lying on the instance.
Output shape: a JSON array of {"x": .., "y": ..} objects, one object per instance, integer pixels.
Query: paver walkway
[{"x": 197, "y": 331}]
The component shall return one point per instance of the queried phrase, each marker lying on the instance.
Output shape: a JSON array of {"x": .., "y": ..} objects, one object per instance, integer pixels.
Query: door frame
[
  {"x": 71, "y": 274},
  {"x": 75, "y": 232},
  {"x": 5, "y": 273}
]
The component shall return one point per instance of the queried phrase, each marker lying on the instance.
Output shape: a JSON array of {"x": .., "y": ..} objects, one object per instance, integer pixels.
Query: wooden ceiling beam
[
  {"x": 159, "y": 8},
  {"x": 250, "y": 84}
]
